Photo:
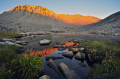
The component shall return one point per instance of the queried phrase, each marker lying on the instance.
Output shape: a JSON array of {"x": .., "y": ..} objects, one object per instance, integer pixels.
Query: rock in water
[
  {"x": 55, "y": 46},
  {"x": 9, "y": 43},
  {"x": 82, "y": 50},
  {"x": 45, "y": 42},
  {"x": 53, "y": 57},
  {"x": 53, "y": 65},
  {"x": 3, "y": 43},
  {"x": 44, "y": 77},
  {"x": 80, "y": 56},
  {"x": 21, "y": 42},
  {"x": 6, "y": 39},
  {"x": 75, "y": 50},
  {"x": 89, "y": 59},
  {"x": 69, "y": 74},
  {"x": 68, "y": 54}
]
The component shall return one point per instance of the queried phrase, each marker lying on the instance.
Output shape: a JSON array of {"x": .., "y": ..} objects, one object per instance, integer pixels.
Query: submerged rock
[
  {"x": 70, "y": 48},
  {"x": 21, "y": 42},
  {"x": 61, "y": 48},
  {"x": 53, "y": 57},
  {"x": 82, "y": 65},
  {"x": 45, "y": 77},
  {"x": 55, "y": 46},
  {"x": 51, "y": 64},
  {"x": 69, "y": 74},
  {"x": 57, "y": 42}
]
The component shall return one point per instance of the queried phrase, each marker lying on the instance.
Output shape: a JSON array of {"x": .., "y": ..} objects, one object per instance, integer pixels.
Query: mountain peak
[{"x": 70, "y": 19}]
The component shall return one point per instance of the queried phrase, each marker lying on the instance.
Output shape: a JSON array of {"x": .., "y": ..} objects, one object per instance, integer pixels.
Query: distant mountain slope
[
  {"x": 70, "y": 19},
  {"x": 109, "y": 25}
]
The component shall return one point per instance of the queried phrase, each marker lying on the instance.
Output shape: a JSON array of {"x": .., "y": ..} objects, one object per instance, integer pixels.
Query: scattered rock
[
  {"x": 69, "y": 74},
  {"x": 53, "y": 66},
  {"x": 53, "y": 57},
  {"x": 45, "y": 77}
]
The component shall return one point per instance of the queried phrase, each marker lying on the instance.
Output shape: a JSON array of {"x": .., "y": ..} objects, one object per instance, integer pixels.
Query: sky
[{"x": 97, "y": 8}]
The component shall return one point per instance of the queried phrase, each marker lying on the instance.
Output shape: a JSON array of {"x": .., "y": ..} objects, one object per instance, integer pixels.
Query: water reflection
[{"x": 48, "y": 51}]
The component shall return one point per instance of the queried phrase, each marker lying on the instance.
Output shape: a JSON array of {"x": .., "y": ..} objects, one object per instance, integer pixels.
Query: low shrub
[{"x": 26, "y": 67}]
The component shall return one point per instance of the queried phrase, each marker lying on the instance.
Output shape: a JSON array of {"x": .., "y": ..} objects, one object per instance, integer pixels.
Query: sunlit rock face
[{"x": 70, "y": 19}]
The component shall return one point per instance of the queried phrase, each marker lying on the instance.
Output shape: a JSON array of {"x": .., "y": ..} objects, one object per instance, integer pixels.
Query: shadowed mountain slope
[{"x": 109, "y": 25}]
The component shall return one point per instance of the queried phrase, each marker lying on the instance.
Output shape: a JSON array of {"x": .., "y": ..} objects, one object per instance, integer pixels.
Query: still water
[{"x": 73, "y": 64}]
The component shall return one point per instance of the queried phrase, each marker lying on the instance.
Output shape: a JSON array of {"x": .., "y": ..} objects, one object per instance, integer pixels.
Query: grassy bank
[
  {"x": 7, "y": 34},
  {"x": 109, "y": 53},
  {"x": 16, "y": 66}
]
